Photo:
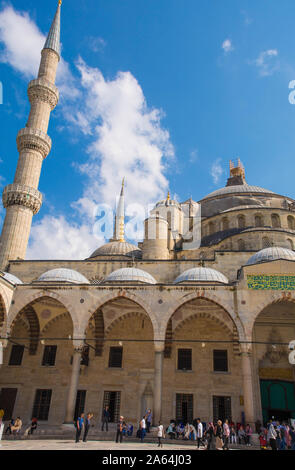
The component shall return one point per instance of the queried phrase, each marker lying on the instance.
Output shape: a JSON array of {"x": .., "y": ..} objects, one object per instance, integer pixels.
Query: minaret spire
[
  {"x": 119, "y": 232},
  {"x": 53, "y": 38},
  {"x": 22, "y": 199}
]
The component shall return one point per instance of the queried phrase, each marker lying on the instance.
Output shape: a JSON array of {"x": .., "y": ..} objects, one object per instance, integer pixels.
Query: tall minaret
[
  {"x": 22, "y": 199},
  {"x": 119, "y": 231}
]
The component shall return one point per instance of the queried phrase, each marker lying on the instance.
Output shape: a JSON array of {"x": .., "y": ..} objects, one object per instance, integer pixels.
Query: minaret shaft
[{"x": 22, "y": 199}]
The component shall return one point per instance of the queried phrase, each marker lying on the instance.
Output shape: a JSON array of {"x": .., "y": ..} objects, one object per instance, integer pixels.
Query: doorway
[
  {"x": 184, "y": 408},
  {"x": 113, "y": 401},
  {"x": 7, "y": 402}
]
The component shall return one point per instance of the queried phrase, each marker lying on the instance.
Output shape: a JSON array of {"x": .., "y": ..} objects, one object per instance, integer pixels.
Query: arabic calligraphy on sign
[{"x": 271, "y": 282}]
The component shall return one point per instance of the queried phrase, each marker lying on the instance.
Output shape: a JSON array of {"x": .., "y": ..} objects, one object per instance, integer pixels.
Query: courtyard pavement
[{"x": 90, "y": 445}]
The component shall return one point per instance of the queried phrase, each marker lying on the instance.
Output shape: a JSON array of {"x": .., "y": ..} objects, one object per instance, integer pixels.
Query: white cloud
[
  {"x": 96, "y": 44},
  {"x": 266, "y": 62},
  {"x": 227, "y": 46},
  {"x": 56, "y": 238},
  {"x": 216, "y": 171},
  {"x": 126, "y": 138},
  {"x": 22, "y": 43}
]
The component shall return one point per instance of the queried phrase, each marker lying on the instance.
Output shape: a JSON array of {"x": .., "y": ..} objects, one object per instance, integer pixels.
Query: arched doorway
[
  {"x": 38, "y": 361},
  {"x": 201, "y": 357},
  {"x": 121, "y": 360},
  {"x": 273, "y": 329}
]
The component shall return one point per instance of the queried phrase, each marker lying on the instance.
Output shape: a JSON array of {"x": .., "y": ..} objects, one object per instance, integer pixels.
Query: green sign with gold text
[{"x": 271, "y": 282}]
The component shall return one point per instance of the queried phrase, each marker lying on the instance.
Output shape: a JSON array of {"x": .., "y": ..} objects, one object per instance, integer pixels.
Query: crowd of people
[{"x": 218, "y": 435}]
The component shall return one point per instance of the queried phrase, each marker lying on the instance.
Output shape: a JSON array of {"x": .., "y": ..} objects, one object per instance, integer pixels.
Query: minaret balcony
[
  {"x": 33, "y": 139},
  {"x": 21, "y": 195},
  {"x": 43, "y": 90}
]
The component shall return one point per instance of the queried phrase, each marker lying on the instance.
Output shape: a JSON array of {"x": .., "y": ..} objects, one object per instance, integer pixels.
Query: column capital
[
  {"x": 159, "y": 346},
  {"x": 246, "y": 349}
]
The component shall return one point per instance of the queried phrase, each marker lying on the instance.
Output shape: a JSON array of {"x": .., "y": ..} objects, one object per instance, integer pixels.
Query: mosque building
[{"x": 188, "y": 331}]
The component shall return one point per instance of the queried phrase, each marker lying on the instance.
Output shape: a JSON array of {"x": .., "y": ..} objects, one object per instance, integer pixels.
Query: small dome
[
  {"x": 271, "y": 254},
  {"x": 201, "y": 275},
  {"x": 11, "y": 278},
  {"x": 131, "y": 275},
  {"x": 117, "y": 248},
  {"x": 63, "y": 275}
]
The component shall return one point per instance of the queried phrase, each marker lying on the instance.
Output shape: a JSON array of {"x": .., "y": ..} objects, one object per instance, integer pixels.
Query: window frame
[{"x": 190, "y": 359}]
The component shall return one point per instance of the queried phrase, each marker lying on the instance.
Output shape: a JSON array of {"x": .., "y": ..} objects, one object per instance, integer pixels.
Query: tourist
[
  {"x": 226, "y": 434},
  {"x": 1, "y": 425},
  {"x": 79, "y": 426},
  {"x": 105, "y": 418},
  {"x": 272, "y": 436},
  {"x": 129, "y": 430},
  {"x": 292, "y": 435},
  {"x": 210, "y": 435},
  {"x": 180, "y": 430},
  {"x": 161, "y": 434},
  {"x": 233, "y": 434},
  {"x": 142, "y": 428},
  {"x": 8, "y": 429},
  {"x": 149, "y": 419},
  {"x": 278, "y": 433},
  {"x": 283, "y": 442},
  {"x": 241, "y": 435},
  {"x": 171, "y": 431},
  {"x": 199, "y": 432},
  {"x": 219, "y": 435},
  {"x": 288, "y": 436},
  {"x": 87, "y": 425},
  {"x": 249, "y": 433},
  {"x": 16, "y": 428},
  {"x": 120, "y": 427},
  {"x": 33, "y": 426}
]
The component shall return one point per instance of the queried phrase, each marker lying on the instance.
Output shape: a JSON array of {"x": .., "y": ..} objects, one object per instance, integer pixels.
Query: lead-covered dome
[
  {"x": 11, "y": 278},
  {"x": 271, "y": 254},
  {"x": 117, "y": 248},
  {"x": 131, "y": 275},
  {"x": 63, "y": 275},
  {"x": 201, "y": 275},
  {"x": 238, "y": 189}
]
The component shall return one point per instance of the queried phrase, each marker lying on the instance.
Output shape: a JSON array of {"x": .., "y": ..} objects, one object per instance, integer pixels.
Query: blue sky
[{"x": 164, "y": 92}]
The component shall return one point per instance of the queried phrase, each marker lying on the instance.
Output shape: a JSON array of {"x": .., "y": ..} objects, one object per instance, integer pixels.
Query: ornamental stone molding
[
  {"x": 33, "y": 139},
  {"x": 42, "y": 90},
  {"x": 20, "y": 195}
]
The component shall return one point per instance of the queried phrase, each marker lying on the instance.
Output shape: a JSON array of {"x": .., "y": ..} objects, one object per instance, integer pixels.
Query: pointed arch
[{"x": 34, "y": 327}]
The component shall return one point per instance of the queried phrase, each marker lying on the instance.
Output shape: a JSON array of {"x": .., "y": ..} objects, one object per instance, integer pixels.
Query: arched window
[
  {"x": 266, "y": 243},
  {"x": 275, "y": 221},
  {"x": 211, "y": 228},
  {"x": 291, "y": 222},
  {"x": 259, "y": 221},
  {"x": 224, "y": 223},
  {"x": 241, "y": 221},
  {"x": 290, "y": 244},
  {"x": 241, "y": 245}
]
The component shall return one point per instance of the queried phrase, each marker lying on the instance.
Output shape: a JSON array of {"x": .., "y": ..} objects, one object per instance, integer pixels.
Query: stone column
[
  {"x": 71, "y": 402},
  {"x": 158, "y": 380},
  {"x": 248, "y": 386}
]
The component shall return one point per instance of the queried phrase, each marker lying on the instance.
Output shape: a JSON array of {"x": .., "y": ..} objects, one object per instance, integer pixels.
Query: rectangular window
[
  {"x": 42, "y": 404},
  {"x": 85, "y": 356},
  {"x": 116, "y": 356},
  {"x": 80, "y": 403},
  {"x": 113, "y": 401},
  {"x": 16, "y": 356},
  {"x": 220, "y": 362},
  {"x": 222, "y": 408},
  {"x": 49, "y": 356},
  {"x": 184, "y": 359}
]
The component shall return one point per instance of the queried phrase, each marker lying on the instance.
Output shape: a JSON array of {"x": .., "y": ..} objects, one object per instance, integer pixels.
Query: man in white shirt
[
  {"x": 142, "y": 428},
  {"x": 199, "y": 432}
]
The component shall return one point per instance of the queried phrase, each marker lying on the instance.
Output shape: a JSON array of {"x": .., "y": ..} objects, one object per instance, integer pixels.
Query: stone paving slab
[{"x": 91, "y": 445}]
